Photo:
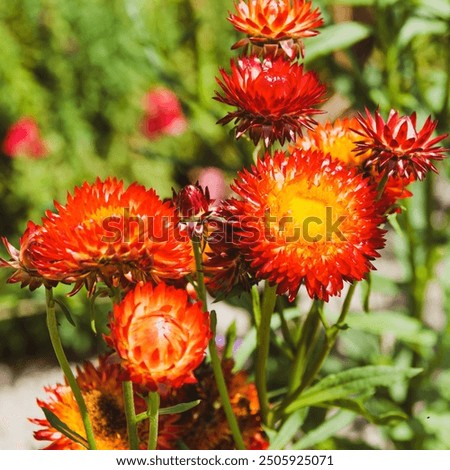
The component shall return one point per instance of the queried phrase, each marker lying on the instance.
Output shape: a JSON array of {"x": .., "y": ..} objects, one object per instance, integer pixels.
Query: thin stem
[
  {"x": 304, "y": 346},
  {"x": 153, "y": 401},
  {"x": 330, "y": 340},
  {"x": 55, "y": 339},
  {"x": 130, "y": 413},
  {"x": 214, "y": 355},
  {"x": 262, "y": 352}
]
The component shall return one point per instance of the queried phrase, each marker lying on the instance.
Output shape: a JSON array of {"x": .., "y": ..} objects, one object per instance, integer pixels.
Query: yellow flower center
[{"x": 302, "y": 213}]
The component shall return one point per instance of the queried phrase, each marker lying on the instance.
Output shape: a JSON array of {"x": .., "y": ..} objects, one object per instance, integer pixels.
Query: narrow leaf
[
  {"x": 66, "y": 311},
  {"x": 170, "y": 410},
  {"x": 327, "y": 429},
  {"x": 64, "y": 429},
  {"x": 351, "y": 382},
  {"x": 230, "y": 339},
  {"x": 288, "y": 430}
]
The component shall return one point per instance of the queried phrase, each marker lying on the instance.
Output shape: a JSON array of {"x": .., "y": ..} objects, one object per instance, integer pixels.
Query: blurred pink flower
[
  {"x": 213, "y": 179},
  {"x": 23, "y": 139},
  {"x": 163, "y": 114}
]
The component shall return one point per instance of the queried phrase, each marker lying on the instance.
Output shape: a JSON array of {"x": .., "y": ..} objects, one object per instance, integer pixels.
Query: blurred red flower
[
  {"x": 163, "y": 114},
  {"x": 24, "y": 139}
]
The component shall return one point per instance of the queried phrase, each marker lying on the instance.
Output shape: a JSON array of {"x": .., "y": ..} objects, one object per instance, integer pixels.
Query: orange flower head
[
  {"x": 307, "y": 219},
  {"x": 274, "y": 98},
  {"x": 101, "y": 387},
  {"x": 276, "y": 25},
  {"x": 22, "y": 260},
  {"x": 338, "y": 140},
  {"x": 397, "y": 147},
  {"x": 160, "y": 335},
  {"x": 208, "y": 418},
  {"x": 113, "y": 234}
]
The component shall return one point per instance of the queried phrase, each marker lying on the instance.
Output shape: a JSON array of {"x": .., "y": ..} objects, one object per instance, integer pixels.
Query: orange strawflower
[
  {"x": 22, "y": 260},
  {"x": 110, "y": 233},
  {"x": 160, "y": 335},
  {"x": 274, "y": 24},
  {"x": 338, "y": 140},
  {"x": 101, "y": 387},
  {"x": 307, "y": 219},
  {"x": 397, "y": 147},
  {"x": 208, "y": 418},
  {"x": 274, "y": 99}
]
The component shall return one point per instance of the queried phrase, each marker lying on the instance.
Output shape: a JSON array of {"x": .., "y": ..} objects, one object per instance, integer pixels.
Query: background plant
[{"x": 84, "y": 84}]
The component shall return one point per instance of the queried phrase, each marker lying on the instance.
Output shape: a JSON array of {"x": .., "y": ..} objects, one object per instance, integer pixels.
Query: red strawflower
[
  {"x": 163, "y": 114},
  {"x": 101, "y": 388},
  {"x": 274, "y": 24},
  {"x": 110, "y": 233},
  {"x": 274, "y": 98},
  {"x": 22, "y": 259},
  {"x": 24, "y": 139},
  {"x": 193, "y": 204},
  {"x": 397, "y": 147},
  {"x": 160, "y": 335},
  {"x": 307, "y": 219},
  {"x": 224, "y": 265}
]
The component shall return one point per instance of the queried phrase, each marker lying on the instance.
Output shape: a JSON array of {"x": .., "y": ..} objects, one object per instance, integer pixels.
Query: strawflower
[
  {"x": 107, "y": 232},
  {"x": 22, "y": 260},
  {"x": 101, "y": 387},
  {"x": 398, "y": 147},
  {"x": 160, "y": 336},
  {"x": 338, "y": 140},
  {"x": 208, "y": 418},
  {"x": 307, "y": 219},
  {"x": 276, "y": 25},
  {"x": 275, "y": 99}
]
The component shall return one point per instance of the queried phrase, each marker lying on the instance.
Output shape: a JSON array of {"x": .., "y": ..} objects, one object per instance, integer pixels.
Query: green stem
[
  {"x": 130, "y": 413},
  {"x": 262, "y": 351},
  {"x": 153, "y": 401},
  {"x": 304, "y": 345},
  {"x": 55, "y": 339},
  {"x": 214, "y": 355},
  {"x": 330, "y": 340}
]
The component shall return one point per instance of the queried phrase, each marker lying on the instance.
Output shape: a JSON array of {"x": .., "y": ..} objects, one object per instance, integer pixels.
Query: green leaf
[
  {"x": 406, "y": 329},
  {"x": 288, "y": 430},
  {"x": 170, "y": 410},
  {"x": 420, "y": 27},
  {"x": 66, "y": 311},
  {"x": 381, "y": 412},
  {"x": 180, "y": 408},
  {"x": 249, "y": 343},
  {"x": 353, "y": 382},
  {"x": 64, "y": 429},
  {"x": 327, "y": 429},
  {"x": 367, "y": 289},
  {"x": 230, "y": 339},
  {"x": 336, "y": 37}
]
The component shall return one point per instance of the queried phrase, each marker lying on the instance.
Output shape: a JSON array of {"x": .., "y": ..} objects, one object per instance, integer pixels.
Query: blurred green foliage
[{"x": 81, "y": 68}]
